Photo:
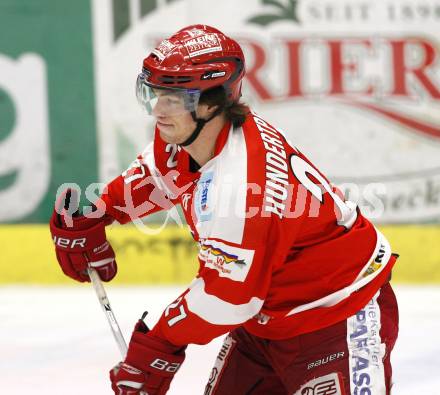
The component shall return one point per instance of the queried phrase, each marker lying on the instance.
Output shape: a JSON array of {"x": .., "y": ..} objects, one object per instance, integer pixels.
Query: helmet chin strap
[{"x": 200, "y": 124}]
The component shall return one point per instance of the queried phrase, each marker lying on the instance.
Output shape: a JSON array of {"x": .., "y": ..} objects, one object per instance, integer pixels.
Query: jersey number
[
  {"x": 301, "y": 169},
  {"x": 182, "y": 314},
  {"x": 173, "y": 149}
]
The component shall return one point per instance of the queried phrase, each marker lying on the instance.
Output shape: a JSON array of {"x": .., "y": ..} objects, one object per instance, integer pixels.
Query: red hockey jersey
[{"x": 280, "y": 250}]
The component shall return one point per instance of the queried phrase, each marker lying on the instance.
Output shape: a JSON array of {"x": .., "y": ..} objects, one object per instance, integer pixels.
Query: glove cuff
[{"x": 154, "y": 355}]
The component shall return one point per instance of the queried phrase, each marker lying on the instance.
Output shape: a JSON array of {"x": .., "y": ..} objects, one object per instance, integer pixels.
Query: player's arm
[
  {"x": 141, "y": 190},
  {"x": 216, "y": 302},
  {"x": 80, "y": 241},
  {"x": 229, "y": 290}
]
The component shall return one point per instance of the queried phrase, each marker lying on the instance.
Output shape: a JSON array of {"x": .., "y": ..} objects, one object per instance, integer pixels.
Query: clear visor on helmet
[{"x": 165, "y": 101}]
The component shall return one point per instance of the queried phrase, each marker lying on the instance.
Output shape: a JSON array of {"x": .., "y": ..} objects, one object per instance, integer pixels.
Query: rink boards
[{"x": 169, "y": 256}]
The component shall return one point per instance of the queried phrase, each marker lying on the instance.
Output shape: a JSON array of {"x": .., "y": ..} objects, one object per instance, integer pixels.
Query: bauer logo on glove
[
  {"x": 69, "y": 243},
  {"x": 81, "y": 242}
]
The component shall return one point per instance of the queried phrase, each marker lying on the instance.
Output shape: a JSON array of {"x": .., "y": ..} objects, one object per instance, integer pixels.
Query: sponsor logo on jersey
[
  {"x": 376, "y": 262},
  {"x": 324, "y": 385},
  {"x": 221, "y": 259},
  {"x": 202, "y": 207},
  {"x": 231, "y": 262}
]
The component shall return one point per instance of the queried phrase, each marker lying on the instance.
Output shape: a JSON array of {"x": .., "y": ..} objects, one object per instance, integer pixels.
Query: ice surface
[{"x": 56, "y": 340}]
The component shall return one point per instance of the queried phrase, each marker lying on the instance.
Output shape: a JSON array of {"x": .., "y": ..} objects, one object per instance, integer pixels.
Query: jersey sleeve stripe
[{"x": 217, "y": 311}]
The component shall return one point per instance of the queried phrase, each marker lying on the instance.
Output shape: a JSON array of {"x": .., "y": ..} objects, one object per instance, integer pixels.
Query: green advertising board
[{"x": 47, "y": 104}]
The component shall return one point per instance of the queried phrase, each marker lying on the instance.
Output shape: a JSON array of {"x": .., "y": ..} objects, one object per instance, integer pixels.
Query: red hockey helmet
[{"x": 193, "y": 60}]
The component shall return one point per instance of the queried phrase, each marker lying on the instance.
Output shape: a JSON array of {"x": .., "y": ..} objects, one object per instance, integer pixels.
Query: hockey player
[{"x": 293, "y": 273}]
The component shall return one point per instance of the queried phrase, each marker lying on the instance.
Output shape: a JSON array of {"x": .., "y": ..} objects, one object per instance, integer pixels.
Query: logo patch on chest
[{"x": 232, "y": 262}]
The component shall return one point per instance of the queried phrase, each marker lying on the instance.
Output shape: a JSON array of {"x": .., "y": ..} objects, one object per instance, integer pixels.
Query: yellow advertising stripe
[
  {"x": 419, "y": 250},
  {"x": 170, "y": 256},
  {"x": 28, "y": 256}
]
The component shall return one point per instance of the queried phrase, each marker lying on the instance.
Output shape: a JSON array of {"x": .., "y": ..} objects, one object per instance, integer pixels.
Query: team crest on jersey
[
  {"x": 324, "y": 385},
  {"x": 231, "y": 262}
]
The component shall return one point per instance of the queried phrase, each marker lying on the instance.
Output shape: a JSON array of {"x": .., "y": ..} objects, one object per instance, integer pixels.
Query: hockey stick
[
  {"x": 72, "y": 197},
  {"x": 105, "y": 304}
]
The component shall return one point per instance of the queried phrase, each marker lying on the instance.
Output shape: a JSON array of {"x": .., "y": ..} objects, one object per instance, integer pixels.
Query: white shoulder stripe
[
  {"x": 217, "y": 311},
  {"x": 230, "y": 190}
]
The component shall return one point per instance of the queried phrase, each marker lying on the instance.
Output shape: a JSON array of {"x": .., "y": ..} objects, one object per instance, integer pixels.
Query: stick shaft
[{"x": 105, "y": 304}]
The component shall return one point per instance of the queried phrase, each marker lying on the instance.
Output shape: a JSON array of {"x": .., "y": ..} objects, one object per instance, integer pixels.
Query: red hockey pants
[{"x": 351, "y": 357}]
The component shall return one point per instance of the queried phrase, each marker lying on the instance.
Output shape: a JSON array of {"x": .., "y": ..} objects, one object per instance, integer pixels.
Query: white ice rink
[{"x": 57, "y": 341}]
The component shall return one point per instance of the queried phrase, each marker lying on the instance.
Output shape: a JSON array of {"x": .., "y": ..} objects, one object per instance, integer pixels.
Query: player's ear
[
  {"x": 205, "y": 111},
  {"x": 212, "y": 109}
]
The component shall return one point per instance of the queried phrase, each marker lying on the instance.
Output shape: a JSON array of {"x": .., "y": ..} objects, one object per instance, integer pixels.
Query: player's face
[{"x": 175, "y": 124}]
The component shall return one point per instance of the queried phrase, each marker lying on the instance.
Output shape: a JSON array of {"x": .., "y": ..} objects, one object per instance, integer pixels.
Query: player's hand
[
  {"x": 149, "y": 367},
  {"x": 81, "y": 242}
]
